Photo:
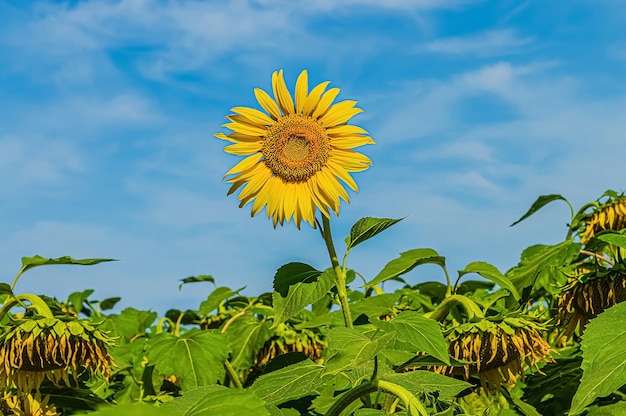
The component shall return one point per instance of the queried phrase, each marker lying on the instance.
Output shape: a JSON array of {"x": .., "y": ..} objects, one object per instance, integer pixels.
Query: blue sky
[{"x": 477, "y": 107}]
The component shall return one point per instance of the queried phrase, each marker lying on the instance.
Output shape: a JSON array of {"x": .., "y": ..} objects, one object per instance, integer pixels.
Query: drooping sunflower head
[
  {"x": 499, "y": 351},
  {"x": 36, "y": 349},
  {"x": 298, "y": 154},
  {"x": 609, "y": 216},
  {"x": 287, "y": 339},
  {"x": 587, "y": 296}
]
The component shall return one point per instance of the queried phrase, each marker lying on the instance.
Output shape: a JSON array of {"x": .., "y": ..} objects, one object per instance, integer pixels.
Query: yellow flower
[{"x": 298, "y": 153}]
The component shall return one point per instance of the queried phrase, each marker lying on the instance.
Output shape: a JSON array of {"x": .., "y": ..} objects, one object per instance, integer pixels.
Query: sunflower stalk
[
  {"x": 340, "y": 273},
  {"x": 472, "y": 309}
]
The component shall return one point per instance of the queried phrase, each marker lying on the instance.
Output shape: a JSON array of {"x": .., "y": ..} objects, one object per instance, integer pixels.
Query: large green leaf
[
  {"x": 366, "y": 228},
  {"x": 247, "y": 334},
  {"x": 129, "y": 323},
  {"x": 350, "y": 348},
  {"x": 36, "y": 261},
  {"x": 289, "y": 383},
  {"x": 197, "y": 357},
  {"x": 604, "y": 357},
  {"x": 292, "y": 273},
  {"x": 540, "y": 203},
  {"x": 300, "y": 295},
  {"x": 135, "y": 409},
  {"x": 551, "y": 393},
  {"x": 421, "y": 333},
  {"x": 422, "y": 381},
  {"x": 217, "y": 400},
  {"x": 215, "y": 298},
  {"x": 536, "y": 258},
  {"x": 490, "y": 272},
  {"x": 407, "y": 262},
  {"x": 615, "y": 239}
]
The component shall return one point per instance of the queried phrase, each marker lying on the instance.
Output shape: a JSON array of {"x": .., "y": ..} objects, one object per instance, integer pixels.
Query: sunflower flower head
[
  {"x": 298, "y": 152},
  {"x": 609, "y": 216},
  {"x": 50, "y": 348},
  {"x": 28, "y": 405},
  {"x": 499, "y": 351},
  {"x": 587, "y": 296}
]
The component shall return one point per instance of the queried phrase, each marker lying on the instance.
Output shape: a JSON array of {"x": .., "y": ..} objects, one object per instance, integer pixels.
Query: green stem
[
  {"x": 444, "y": 307},
  {"x": 17, "y": 278},
  {"x": 232, "y": 374},
  {"x": 36, "y": 303},
  {"x": 340, "y": 275},
  {"x": 408, "y": 398}
]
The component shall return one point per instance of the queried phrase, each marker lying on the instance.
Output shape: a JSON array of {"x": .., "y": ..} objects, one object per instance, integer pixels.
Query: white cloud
[{"x": 485, "y": 44}]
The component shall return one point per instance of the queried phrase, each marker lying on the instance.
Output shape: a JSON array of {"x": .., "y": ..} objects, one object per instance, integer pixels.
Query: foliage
[{"x": 468, "y": 347}]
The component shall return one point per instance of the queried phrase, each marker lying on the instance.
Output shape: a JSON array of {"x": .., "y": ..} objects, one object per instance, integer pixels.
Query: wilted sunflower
[
  {"x": 297, "y": 153},
  {"x": 498, "y": 350},
  {"x": 589, "y": 295},
  {"x": 35, "y": 349},
  {"x": 611, "y": 216},
  {"x": 286, "y": 339}
]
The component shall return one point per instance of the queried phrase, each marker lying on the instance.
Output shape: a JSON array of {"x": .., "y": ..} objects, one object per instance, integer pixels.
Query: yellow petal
[
  {"x": 340, "y": 113},
  {"x": 246, "y": 129},
  {"x": 340, "y": 172},
  {"x": 302, "y": 90},
  {"x": 244, "y": 165},
  {"x": 255, "y": 116},
  {"x": 243, "y": 149},
  {"x": 349, "y": 142},
  {"x": 325, "y": 102},
  {"x": 314, "y": 97},
  {"x": 351, "y": 160},
  {"x": 346, "y": 130},
  {"x": 267, "y": 103},
  {"x": 281, "y": 93},
  {"x": 235, "y": 137}
]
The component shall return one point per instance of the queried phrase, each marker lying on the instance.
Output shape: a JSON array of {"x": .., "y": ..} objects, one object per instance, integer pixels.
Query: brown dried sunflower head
[
  {"x": 499, "y": 351},
  {"x": 588, "y": 296},
  {"x": 287, "y": 339},
  {"x": 609, "y": 216},
  {"x": 32, "y": 350}
]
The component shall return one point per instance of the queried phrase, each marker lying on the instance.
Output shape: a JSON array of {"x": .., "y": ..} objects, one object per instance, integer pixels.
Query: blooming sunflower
[
  {"x": 498, "y": 351},
  {"x": 298, "y": 153}
]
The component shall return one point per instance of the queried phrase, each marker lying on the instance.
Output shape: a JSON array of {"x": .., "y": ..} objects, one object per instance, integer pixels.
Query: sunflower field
[{"x": 546, "y": 337}]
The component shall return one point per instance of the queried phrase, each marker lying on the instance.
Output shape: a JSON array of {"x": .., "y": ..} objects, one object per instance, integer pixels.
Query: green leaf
[
  {"x": 490, "y": 272},
  {"x": 614, "y": 409},
  {"x": 615, "y": 239},
  {"x": 293, "y": 273},
  {"x": 604, "y": 357},
  {"x": 535, "y": 259},
  {"x": 421, "y": 333},
  {"x": 197, "y": 357},
  {"x": 109, "y": 303},
  {"x": 551, "y": 393},
  {"x": 300, "y": 295},
  {"x": 5, "y": 289},
  {"x": 423, "y": 381},
  {"x": 30, "y": 262},
  {"x": 135, "y": 409},
  {"x": 217, "y": 400},
  {"x": 247, "y": 335},
  {"x": 352, "y": 348},
  {"x": 540, "y": 203},
  {"x": 289, "y": 383},
  {"x": 216, "y": 297},
  {"x": 129, "y": 323},
  {"x": 368, "y": 227},
  {"x": 76, "y": 299},
  {"x": 407, "y": 262},
  {"x": 196, "y": 279}
]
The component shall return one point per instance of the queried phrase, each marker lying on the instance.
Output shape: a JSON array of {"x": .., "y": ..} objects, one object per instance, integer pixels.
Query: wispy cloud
[{"x": 485, "y": 44}]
